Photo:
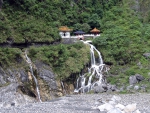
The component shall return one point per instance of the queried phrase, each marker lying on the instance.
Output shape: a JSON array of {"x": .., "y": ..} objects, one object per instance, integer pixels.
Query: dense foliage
[
  {"x": 122, "y": 36},
  {"x": 38, "y": 20},
  {"x": 124, "y": 40},
  {"x": 9, "y": 56},
  {"x": 63, "y": 59}
]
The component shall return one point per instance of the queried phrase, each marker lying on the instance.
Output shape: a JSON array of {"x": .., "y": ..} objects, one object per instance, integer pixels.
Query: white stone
[
  {"x": 115, "y": 110},
  {"x": 120, "y": 106},
  {"x": 93, "y": 107},
  {"x": 101, "y": 107},
  {"x": 112, "y": 102},
  {"x": 137, "y": 111},
  {"x": 116, "y": 98},
  {"x": 1, "y": 104},
  {"x": 106, "y": 107},
  {"x": 136, "y": 87},
  {"x": 130, "y": 108}
]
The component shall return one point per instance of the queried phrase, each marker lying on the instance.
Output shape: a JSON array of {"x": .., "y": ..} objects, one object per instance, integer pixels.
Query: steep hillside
[
  {"x": 125, "y": 45},
  {"x": 26, "y": 22},
  {"x": 124, "y": 25},
  {"x": 38, "y": 21}
]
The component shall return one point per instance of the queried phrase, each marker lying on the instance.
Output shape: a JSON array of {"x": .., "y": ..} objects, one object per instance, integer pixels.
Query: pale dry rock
[
  {"x": 120, "y": 106},
  {"x": 137, "y": 111},
  {"x": 130, "y": 108},
  {"x": 115, "y": 110},
  {"x": 112, "y": 102},
  {"x": 116, "y": 98},
  {"x": 106, "y": 107}
]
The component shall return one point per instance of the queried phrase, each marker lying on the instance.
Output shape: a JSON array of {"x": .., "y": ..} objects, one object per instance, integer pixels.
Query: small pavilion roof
[
  {"x": 64, "y": 29},
  {"x": 95, "y": 30},
  {"x": 79, "y": 32}
]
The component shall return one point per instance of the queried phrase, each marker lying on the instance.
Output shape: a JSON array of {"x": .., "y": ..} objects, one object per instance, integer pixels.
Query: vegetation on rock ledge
[{"x": 64, "y": 59}]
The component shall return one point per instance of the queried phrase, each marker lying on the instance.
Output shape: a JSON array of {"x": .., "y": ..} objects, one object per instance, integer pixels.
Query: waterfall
[
  {"x": 95, "y": 70},
  {"x": 63, "y": 87},
  {"x": 28, "y": 60}
]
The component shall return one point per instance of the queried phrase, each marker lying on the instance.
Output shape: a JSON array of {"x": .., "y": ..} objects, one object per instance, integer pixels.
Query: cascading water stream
[
  {"x": 95, "y": 69},
  {"x": 63, "y": 87},
  {"x": 35, "y": 80}
]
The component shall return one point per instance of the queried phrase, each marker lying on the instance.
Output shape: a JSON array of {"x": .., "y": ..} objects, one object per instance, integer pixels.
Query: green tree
[
  {"x": 94, "y": 21},
  {"x": 85, "y": 27}
]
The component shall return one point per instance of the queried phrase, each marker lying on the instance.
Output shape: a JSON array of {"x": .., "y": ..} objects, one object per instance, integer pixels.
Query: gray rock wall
[
  {"x": 69, "y": 40},
  {"x": 25, "y": 85}
]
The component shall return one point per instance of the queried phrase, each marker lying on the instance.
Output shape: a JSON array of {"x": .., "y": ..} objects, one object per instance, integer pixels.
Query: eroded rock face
[
  {"x": 9, "y": 96},
  {"x": 23, "y": 76},
  {"x": 49, "y": 87},
  {"x": 2, "y": 77},
  {"x": 48, "y": 77}
]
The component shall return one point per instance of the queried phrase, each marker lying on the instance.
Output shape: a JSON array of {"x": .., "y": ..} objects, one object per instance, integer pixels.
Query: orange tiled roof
[
  {"x": 95, "y": 30},
  {"x": 64, "y": 28}
]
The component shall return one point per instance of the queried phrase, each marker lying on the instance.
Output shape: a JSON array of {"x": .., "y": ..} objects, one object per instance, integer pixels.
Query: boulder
[
  {"x": 99, "y": 89},
  {"x": 106, "y": 107},
  {"x": 105, "y": 86},
  {"x": 136, "y": 87},
  {"x": 109, "y": 91},
  {"x": 135, "y": 79},
  {"x": 132, "y": 80},
  {"x": 111, "y": 87},
  {"x": 139, "y": 77},
  {"x": 130, "y": 108},
  {"x": 120, "y": 106}
]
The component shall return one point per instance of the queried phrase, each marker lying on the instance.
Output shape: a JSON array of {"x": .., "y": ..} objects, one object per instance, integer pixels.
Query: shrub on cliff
[
  {"x": 9, "y": 57},
  {"x": 63, "y": 59}
]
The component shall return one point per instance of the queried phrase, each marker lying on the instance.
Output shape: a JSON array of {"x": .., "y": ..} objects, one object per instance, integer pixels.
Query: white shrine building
[{"x": 64, "y": 32}]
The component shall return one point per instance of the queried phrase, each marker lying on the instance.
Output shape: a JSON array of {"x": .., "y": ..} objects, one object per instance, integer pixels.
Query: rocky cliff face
[{"x": 18, "y": 81}]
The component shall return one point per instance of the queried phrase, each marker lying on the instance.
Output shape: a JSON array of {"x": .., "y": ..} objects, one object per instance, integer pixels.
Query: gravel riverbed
[{"x": 81, "y": 103}]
